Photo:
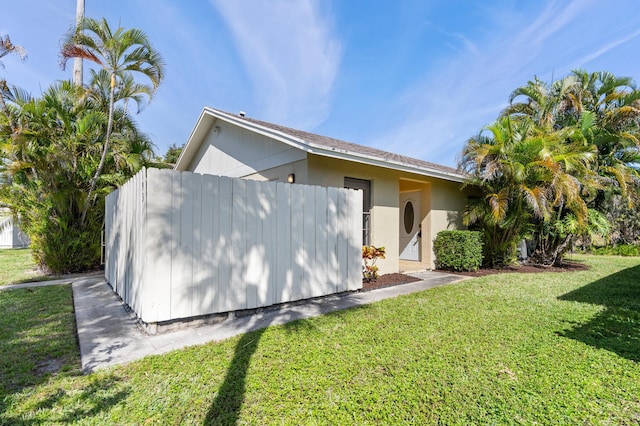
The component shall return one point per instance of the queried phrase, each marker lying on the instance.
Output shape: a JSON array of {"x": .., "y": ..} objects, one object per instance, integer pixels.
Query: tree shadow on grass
[
  {"x": 617, "y": 327},
  {"x": 225, "y": 409}
]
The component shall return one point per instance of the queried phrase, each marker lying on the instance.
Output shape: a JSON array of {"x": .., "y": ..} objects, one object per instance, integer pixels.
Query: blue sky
[{"x": 413, "y": 77}]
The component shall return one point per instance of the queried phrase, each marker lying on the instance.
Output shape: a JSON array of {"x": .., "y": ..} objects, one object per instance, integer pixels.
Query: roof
[{"x": 326, "y": 146}]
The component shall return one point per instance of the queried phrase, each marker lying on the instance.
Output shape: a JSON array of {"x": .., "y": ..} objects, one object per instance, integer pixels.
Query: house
[
  {"x": 406, "y": 201},
  {"x": 10, "y": 235}
]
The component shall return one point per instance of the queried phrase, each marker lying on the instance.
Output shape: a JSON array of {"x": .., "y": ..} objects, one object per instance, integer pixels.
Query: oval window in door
[{"x": 409, "y": 216}]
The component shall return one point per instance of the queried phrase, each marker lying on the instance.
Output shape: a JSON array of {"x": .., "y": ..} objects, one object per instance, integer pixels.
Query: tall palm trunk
[
  {"x": 105, "y": 149},
  {"x": 77, "y": 62}
]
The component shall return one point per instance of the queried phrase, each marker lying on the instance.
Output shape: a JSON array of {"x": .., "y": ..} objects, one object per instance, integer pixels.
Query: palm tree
[
  {"x": 77, "y": 63},
  {"x": 6, "y": 48},
  {"x": 614, "y": 105},
  {"x": 50, "y": 148},
  {"x": 120, "y": 53},
  {"x": 531, "y": 181}
]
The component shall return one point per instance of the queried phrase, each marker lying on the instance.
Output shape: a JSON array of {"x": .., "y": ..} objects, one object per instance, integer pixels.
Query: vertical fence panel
[
  {"x": 197, "y": 289},
  {"x": 284, "y": 231},
  {"x": 297, "y": 241},
  {"x": 109, "y": 230},
  {"x": 237, "y": 294},
  {"x": 331, "y": 228},
  {"x": 308, "y": 263},
  {"x": 223, "y": 248},
  {"x": 268, "y": 217},
  {"x": 182, "y": 277},
  {"x": 182, "y": 245},
  {"x": 252, "y": 257},
  {"x": 138, "y": 268},
  {"x": 177, "y": 200},
  {"x": 354, "y": 246},
  {"x": 342, "y": 250},
  {"x": 320, "y": 282},
  {"x": 158, "y": 246},
  {"x": 204, "y": 266}
]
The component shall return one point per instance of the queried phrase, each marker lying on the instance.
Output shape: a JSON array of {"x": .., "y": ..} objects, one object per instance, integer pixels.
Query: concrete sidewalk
[
  {"x": 109, "y": 335},
  {"x": 67, "y": 279}
]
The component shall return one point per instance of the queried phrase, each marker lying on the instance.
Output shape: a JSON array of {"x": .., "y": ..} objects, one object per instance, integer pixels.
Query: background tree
[
  {"x": 64, "y": 151},
  {"x": 550, "y": 166},
  {"x": 51, "y": 147},
  {"x": 172, "y": 154},
  {"x": 528, "y": 178},
  {"x": 120, "y": 53},
  {"x": 614, "y": 107}
]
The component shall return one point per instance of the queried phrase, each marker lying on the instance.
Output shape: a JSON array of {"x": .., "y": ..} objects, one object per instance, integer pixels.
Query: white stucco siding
[
  {"x": 281, "y": 173},
  {"x": 235, "y": 152}
]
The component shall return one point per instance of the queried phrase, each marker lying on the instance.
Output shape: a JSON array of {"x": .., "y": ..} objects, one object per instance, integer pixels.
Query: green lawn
[
  {"x": 553, "y": 348},
  {"x": 17, "y": 265}
]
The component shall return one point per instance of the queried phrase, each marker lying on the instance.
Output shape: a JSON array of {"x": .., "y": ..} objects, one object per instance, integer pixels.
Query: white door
[{"x": 410, "y": 225}]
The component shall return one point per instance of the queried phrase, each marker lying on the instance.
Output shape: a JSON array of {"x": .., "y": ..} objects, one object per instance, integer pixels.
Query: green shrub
[
  {"x": 458, "y": 250},
  {"x": 620, "y": 250},
  {"x": 60, "y": 241}
]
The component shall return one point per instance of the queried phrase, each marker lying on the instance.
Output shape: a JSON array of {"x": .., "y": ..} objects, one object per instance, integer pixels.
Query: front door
[{"x": 410, "y": 225}]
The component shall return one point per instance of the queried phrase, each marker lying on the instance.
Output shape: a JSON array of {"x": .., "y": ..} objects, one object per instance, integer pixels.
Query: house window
[
  {"x": 409, "y": 217},
  {"x": 365, "y": 186}
]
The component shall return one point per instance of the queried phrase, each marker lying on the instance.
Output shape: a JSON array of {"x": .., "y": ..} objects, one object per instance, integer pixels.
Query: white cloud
[
  {"x": 457, "y": 97},
  {"x": 606, "y": 48},
  {"x": 290, "y": 55}
]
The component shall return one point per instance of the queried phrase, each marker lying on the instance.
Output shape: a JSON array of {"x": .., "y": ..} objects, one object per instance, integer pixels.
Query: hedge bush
[
  {"x": 458, "y": 250},
  {"x": 619, "y": 250}
]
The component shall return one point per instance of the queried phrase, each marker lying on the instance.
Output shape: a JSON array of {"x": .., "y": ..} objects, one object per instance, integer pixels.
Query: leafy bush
[
  {"x": 458, "y": 250},
  {"x": 620, "y": 250},
  {"x": 370, "y": 254},
  {"x": 60, "y": 241}
]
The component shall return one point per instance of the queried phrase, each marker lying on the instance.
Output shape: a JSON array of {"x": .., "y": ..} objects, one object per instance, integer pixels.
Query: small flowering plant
[{"x": 370, "y": 254}]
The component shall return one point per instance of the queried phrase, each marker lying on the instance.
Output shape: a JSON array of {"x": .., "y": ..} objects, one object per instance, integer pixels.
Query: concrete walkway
[
  {"x": 67, "y": 279},
  {"x": 109, "y": 335}
]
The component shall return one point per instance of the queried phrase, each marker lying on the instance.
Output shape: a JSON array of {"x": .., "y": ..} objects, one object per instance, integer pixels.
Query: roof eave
[
  {"x": 312, "y": 148},
  {"x": 389, "y": 164},
  {"x": 195, "y": 137}
]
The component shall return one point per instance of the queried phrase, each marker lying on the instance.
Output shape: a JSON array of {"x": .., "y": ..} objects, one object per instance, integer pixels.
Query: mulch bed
[{"x": 389, "y": 280}]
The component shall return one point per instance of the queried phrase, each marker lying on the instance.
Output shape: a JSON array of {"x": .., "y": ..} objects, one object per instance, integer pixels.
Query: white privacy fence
[
  {"x": 10, "y": 234},
  {"x": 181, "y": 244}
]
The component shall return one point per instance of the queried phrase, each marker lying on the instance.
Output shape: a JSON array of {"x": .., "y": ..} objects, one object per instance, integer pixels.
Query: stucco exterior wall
[
  {"x": 281, "y": 173},
  {"x": 232, "y": 151}
]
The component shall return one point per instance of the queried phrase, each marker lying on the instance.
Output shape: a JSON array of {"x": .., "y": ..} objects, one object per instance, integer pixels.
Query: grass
[
  {"x": 37, "y": 339},
  {"x": 552, "y": 348},
  {"x": 18, "y": 266}
]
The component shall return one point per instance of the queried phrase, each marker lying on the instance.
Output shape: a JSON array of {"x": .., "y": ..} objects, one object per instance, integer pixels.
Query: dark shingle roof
[{"x": 352, "y": 148}]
